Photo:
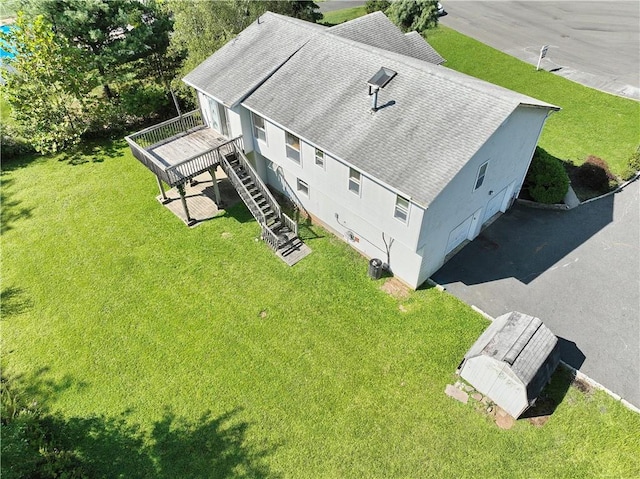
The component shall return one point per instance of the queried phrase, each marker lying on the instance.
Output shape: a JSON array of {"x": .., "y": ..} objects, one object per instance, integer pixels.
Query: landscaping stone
[
  {"x": 456, "y": 393},
  {"x": 477, "y": 396},
  {"x": 468, "y": 388}
]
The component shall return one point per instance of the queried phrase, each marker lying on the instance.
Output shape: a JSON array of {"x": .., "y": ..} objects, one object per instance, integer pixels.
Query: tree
[
  {"x": 203, "y": 27},
  {"x": 410, "y": 15},
  {"x": 377, "y": 5},
  {"x": 48, "y": 85},
  {"x": 114, "y": 33}
]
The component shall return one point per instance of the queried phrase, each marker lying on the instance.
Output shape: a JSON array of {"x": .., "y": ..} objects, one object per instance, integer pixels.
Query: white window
[
  {"x": 320, "y": 158},
  {"x": 354, "y": 181},
  {"x": 402, "y": 209},
  {"x": 482, "y": 171},
  {"x": 302, "y": 187},
  {"x": 293, "y": 147},
  {"x": 259, "y": 130}
]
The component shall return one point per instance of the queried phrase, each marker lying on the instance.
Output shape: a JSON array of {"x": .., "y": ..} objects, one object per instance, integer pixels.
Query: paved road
[
  {"x": 578, "y": 270},
  {"x": 596, "y": 43},
  {"x": 331, "y": 5}
]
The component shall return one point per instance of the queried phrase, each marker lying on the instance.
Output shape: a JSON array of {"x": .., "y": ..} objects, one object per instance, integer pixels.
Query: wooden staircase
[{"x": 278, "y": 230}]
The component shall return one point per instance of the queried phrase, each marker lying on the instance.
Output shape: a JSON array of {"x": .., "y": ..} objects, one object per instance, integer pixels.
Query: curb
[{"x": 580, "y": 375}]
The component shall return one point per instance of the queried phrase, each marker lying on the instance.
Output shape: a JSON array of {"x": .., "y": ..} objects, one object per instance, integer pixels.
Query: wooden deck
[
  {"x": 186, "y": 145},
  {"x": 201, "y": 199}
]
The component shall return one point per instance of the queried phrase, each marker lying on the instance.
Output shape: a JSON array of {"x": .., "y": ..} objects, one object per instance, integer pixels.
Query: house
[
  {"x": 512, "y": 361},
  {"x": 365, "y": 130}
]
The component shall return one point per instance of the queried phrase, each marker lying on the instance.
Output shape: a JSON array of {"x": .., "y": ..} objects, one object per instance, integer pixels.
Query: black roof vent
[
  {"x": 377, "y": 81},
  {"x": 381, "y": 78}
]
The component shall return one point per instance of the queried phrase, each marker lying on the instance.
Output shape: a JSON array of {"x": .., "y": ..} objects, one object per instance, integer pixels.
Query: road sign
[{"x": 543, "y": 53}]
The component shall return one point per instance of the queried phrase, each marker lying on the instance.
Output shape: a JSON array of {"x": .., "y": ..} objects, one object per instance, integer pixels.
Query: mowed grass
[
  {"x": 340, "y": 16},
  {"x": 177, "y": 352},
  {"x": 591, "y": 122}
]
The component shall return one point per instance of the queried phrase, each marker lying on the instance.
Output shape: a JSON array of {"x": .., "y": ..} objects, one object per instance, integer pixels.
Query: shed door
[{"x": 459, "y": 234}]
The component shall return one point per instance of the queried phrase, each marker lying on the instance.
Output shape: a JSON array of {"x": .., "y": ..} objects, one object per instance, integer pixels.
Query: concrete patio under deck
[
  {"x": 201, "y": 199},
  {"x": 201, "y": 202},
  {"x": 186, "y": 145}
]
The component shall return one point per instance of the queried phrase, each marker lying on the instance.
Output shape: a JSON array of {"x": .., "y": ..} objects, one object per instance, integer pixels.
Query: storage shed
[{"x": 512, "y": 361}]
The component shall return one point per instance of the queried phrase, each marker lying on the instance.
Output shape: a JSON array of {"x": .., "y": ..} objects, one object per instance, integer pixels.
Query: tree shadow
[
  {"x": 14, "y": 301},
  {"x": 210, "y": 447},
  {"x": 106, "y": 447},
  {"x": 11, "y": 210},
  {"x": 94, "y": 151}
]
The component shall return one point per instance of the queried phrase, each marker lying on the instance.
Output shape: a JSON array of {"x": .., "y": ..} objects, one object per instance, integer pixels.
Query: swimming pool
[{"x": 5, "y": 53}]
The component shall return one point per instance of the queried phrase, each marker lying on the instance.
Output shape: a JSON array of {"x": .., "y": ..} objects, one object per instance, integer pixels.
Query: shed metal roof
[{"x": 520, "y": 340}]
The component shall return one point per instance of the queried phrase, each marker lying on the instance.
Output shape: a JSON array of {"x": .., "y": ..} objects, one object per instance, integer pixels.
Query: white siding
[
  {"x": 364, "y": 217},
  {"x": 509, "y": 151},
  {"x": 496, "y": 380}
]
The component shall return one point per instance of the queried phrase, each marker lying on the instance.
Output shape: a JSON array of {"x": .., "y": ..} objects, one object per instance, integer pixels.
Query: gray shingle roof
[
  {"x": 438, "y": 119},
  {"x": 314, "y": 83},
  {"x": 241, "y": 65},
  {"x": 378, "y": 31}
]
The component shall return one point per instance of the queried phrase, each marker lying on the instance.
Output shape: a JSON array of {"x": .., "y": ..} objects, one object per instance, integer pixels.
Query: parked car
[{"x": 440, "y": 10}]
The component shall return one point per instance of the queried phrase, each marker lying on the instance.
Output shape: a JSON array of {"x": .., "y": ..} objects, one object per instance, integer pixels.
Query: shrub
[
  {"x": 633, "y": 166},
  {"x": 634, "y": 160},
  {"x": 595, "y": 174},
  {"x": 13, "y": 145},
  {"x": 547, "y": 180},
  {"x": 31, "y": 441},
  {"x": 376, "y": 5}
]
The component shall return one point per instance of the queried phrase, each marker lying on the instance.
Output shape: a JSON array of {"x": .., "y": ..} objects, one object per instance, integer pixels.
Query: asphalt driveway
[
  {"x": 577, "y": 270},
  {"x": 593, "y": 43}
]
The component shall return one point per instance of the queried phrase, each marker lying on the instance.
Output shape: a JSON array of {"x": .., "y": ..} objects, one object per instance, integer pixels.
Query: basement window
[
  {"x": 259, "y": 130},
  {"x": 293, "y": 147},
  {"x": 482, "y": 171},
  {"x": 401, "y": 211},
  {"x": 354, "y": 181},
  {"x": 302, "y": 187}
]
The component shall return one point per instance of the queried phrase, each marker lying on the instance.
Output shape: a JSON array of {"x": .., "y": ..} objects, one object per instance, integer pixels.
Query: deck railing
[
  {"x": 187, "y": 169},
  {"x": 167, "y": 129},
  {"x": 147, "y": 160}
]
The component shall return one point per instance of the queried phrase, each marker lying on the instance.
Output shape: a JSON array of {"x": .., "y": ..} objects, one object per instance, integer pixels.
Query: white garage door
[
  {"x": 494, "y": 205},
  {"x": 459, "y": 234}
]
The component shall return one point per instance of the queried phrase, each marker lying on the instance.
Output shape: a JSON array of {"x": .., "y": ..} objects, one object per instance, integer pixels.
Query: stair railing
[
  {"x": 275, "y": 206},
  {"x": 289, "y": 223}
]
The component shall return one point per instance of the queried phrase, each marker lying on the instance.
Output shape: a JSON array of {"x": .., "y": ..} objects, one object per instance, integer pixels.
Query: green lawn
[
  {"x": 341, "y": 16},
  {"x": 177, "y": 352}
]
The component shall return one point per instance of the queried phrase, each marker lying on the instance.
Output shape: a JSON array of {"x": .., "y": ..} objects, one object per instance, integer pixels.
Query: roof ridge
[{"x": 441, "y": 71}]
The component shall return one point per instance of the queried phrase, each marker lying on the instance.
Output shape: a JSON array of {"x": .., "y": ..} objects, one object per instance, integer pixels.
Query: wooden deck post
[
  {"x": 165, "y": 200},
  {"x": 216, "y": 190},
  {"x": 190, "y": 220}
]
